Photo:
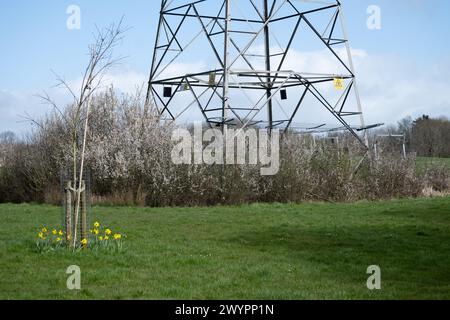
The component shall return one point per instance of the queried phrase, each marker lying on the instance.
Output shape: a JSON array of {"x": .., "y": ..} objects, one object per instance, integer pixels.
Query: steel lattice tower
[{"x": 249, "y": 71}]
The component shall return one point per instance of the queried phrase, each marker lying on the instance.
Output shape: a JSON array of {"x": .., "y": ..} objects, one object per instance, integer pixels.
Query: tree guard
[{"x": 70, "y": 198}]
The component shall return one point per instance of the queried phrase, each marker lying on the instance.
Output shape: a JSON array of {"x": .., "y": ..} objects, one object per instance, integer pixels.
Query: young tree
[{"x": 101, "y": 60}]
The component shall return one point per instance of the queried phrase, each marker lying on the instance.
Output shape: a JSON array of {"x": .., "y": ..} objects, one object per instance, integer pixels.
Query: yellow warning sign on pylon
[{"x": 339, "y": 84}]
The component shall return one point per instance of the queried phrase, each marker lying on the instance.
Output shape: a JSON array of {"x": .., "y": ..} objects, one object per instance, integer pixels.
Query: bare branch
[
  {"x": 63, "y": 83},
  {"x": 27, "y": 118}
]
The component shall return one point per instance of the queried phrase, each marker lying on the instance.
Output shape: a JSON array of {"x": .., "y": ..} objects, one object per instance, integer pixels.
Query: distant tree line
[
  {"x": 425, "y": 136},
  {"x": 430, "y": 137}
]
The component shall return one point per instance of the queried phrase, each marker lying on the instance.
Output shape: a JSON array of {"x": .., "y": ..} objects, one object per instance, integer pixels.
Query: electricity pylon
[{"x": 237, "y": 63}]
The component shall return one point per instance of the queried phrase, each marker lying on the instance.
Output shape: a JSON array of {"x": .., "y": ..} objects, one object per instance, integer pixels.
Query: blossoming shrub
[
  {"x": 100, "y": 239},
  {"x": 129, "y": 156}
]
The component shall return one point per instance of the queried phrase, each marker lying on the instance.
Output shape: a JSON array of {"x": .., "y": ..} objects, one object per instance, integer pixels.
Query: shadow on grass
[{"x": 405, "y": 253}]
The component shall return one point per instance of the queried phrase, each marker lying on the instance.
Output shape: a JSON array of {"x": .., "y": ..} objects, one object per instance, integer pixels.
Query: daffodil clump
[
  {"x": 100, "y": 238},
  {"x": 49, "y": 240},
  {"x": 105, "y": 238}
]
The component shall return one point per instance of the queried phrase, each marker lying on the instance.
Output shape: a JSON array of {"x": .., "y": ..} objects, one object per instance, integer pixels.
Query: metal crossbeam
[{"x": 223, "y": 32}]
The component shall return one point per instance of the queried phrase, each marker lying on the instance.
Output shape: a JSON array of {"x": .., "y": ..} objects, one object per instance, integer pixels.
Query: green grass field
[
  {"x": 307, "y": 251},
  {"x": 424, "y": 163}
]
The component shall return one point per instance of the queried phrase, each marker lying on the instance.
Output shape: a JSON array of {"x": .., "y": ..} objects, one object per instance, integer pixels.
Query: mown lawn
[{"x": 307, "y": 251}]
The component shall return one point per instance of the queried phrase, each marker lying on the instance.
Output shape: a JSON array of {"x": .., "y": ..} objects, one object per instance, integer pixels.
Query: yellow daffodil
[
  {"x": 41, "y": 235},
  {"x": 117, "y": 236},
  {"x": 108, "y": 232},
  {"x": 106, "y": 238},
  {"x": 60, "y": 233},
  {"x": 97, "y": 225},
  {"x": 100, "y": 238},
  {"x": 84, "y": 242},
  {"x": 54, "y": 232},
  {"x": 95, "y": 231},
  {"x": 58, "y": 239},
  {"x": 44, "y": 229}
]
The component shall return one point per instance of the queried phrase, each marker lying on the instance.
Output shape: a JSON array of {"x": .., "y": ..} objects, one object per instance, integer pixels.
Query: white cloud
[
  {"x": 391, "y": 87},
  {"x": 14, "y": 105}
]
